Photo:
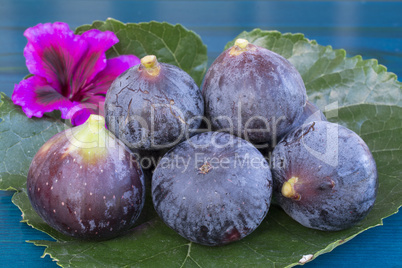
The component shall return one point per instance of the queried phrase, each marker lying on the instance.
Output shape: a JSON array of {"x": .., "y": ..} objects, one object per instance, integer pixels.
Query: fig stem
[
  {"x": 241, "y": 43},
  {"x": 90, "y": 136},
  {"x": 96, "y": 123},
  {"x": 240, "y": 46},
  {"x": 288, "y": 189},
  {"x": 151, "y": 65},
  {"x": 89, "y": 140}
]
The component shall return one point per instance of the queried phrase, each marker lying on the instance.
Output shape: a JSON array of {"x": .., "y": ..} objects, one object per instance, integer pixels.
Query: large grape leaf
[
  {"x": 171, "y": 44},
  {"x": 356, "y": 93}
]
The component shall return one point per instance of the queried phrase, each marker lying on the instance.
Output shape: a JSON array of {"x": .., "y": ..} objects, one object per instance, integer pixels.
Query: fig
[
  {"x": 85, "y": 183},
  {"x": 253, "y": 93},
  {"x": 324, "y": 176},
  {"x": 212, "y": 189},
  {"x": 153, "y": 105}
]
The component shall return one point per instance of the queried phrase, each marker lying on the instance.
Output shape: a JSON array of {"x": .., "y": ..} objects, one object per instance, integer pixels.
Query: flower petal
[
  {"x": 81, "y": 111},
  {"x": 80, "y": 116},
  {"x": 94, "y": 96},
  {"x": 53, "y": 52},
  {"x": 36, "y": 97},
  {"x": 70, "y": 71},
  {"x": 94, "y": 61},
  {"x": 114, "y": 68}
]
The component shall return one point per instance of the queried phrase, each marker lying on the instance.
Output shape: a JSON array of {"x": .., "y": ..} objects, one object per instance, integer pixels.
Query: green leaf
[
  {"x": 171, "y": 44},
  {"x": 20, "y": 139},
  {"x": 356, "y": 93}
]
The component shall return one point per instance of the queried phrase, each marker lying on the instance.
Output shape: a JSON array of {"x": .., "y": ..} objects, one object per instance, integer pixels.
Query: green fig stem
[
  {"x": 288, "y": 189},
  {"x": 151, "y": 65},
  {"x": 241, "y": 45},
  {"x": 89, "y": 139},
  {"x": 96, "y": 123},
  {"x": 92, "y": 131}
]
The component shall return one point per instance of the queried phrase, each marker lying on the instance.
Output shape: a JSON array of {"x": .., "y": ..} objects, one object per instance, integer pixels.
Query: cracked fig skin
[
  {"x": 152, "y": 105},
  {"x": 212, "y": 189},
  {"x": 324, "y": 176},
  {"x": 85, "y": 183}
]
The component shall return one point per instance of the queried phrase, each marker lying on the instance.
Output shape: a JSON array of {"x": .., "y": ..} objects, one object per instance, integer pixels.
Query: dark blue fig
[
  {"x": 153, "y": 105},
  {"x": 253, "y": 93},
  {"x": 324, "y": 176},
  {"x": 212, "y": 189}
]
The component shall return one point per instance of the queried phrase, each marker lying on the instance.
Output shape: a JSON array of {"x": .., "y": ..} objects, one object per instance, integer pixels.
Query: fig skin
[
  {"x": 85, "y": 183},
  {"x": 324, "y": 176},
  {"x": 310, "y": 114},
  {"x": 153, "y": 105},
  {"x": 212, "y": 199},
  {"x": 246, "y": 86}
]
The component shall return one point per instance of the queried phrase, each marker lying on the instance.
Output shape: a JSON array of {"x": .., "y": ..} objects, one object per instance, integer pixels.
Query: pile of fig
[{"x": 217, "y": 156}]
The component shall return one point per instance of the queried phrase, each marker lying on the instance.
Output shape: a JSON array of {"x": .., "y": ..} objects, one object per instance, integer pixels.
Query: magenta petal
[
  {"x": 94, "y": 61},
  {"x": 114, "y": 67},
  {"x": 80, "y": 117},
  {"x": 53, "y": 52},
  {"x": 81, "y": 111},
  {"x": 71, "y": 72},
  {"x": 37, "y": 97}
]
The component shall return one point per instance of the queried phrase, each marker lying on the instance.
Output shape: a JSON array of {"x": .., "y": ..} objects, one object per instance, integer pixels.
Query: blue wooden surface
[{"x": 371, "y": 29}]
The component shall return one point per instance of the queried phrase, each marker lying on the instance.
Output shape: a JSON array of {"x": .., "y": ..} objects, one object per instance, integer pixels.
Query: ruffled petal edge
[{"x": 37, "y": 97}]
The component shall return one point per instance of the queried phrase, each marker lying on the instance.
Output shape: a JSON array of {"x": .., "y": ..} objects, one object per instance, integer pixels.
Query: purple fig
[
  {"x": 85, "y": 183},
  {"x": 153, "y": 106},
  {"x": 212, "y": 189},
  {"x": 325, "y": 176},
  {"x": 253, "y": 93}
]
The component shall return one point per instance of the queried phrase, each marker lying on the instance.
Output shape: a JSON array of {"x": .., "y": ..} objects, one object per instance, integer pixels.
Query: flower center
[{"x": 58, "y": 64}]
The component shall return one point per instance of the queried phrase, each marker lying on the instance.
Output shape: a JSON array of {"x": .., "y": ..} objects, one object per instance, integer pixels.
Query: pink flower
[{"x": 70, "y": 72}]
